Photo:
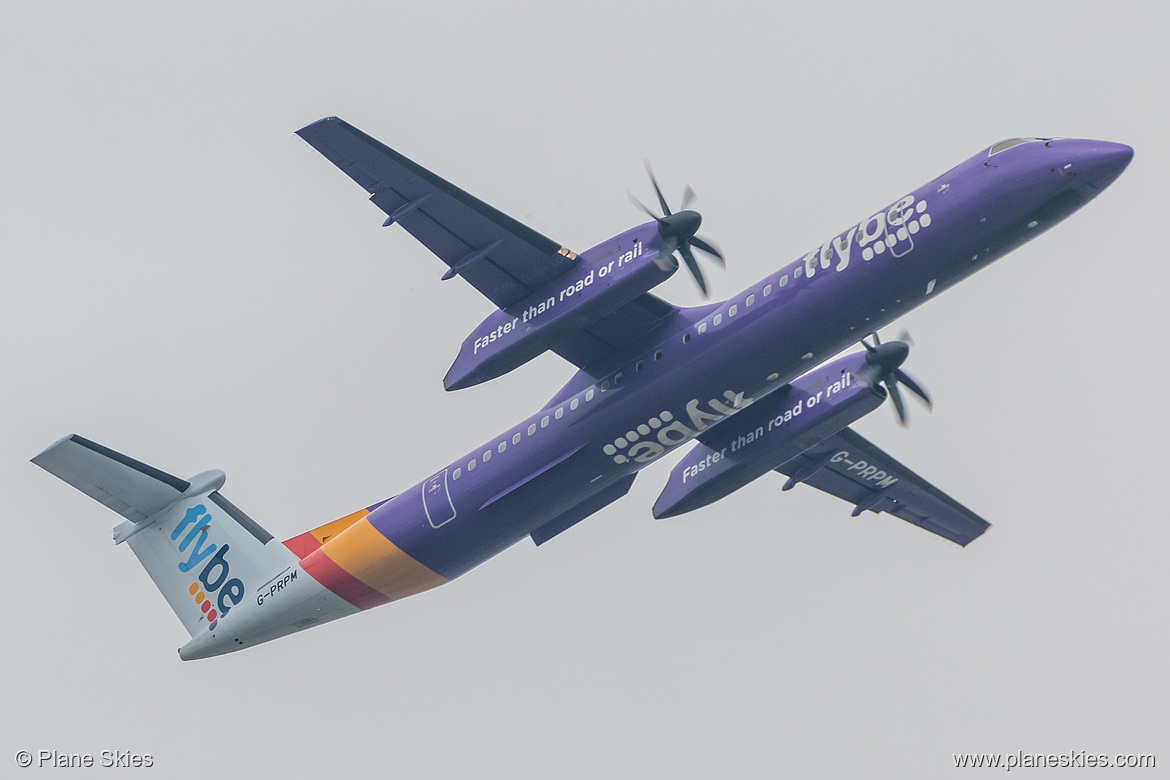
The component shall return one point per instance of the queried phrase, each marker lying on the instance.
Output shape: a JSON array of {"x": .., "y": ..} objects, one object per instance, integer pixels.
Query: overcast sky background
[{"x": 187, "y": 282}]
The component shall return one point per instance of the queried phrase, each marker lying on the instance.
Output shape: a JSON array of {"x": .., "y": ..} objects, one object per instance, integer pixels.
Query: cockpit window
[{"x": 1009, "y": 143}]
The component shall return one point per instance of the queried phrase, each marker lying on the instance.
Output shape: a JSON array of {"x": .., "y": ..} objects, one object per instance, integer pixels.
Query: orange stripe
[
  {"x": 376, "y": 561},
  {"x": 307, "y": 543},
  {"x": 324, "y": 532}
]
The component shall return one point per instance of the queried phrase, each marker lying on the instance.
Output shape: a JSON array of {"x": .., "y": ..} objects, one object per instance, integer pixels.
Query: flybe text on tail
[{"x": 214, "y": 580}]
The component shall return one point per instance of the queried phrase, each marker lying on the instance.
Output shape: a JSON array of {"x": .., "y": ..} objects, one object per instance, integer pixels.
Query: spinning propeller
[
  {"x": 678, "y": 233},
  {"x": 882, "y": 364}
]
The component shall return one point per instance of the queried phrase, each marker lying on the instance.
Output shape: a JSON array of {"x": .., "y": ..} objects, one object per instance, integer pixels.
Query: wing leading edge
[
  {"x": 502, "y": 258},
  {"x": 851, "y": 467}
]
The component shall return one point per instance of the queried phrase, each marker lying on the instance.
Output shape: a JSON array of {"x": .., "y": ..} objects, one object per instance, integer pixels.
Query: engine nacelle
[
  {"x": 609, "y": 275},
  {"x": 772, "y": 431}
]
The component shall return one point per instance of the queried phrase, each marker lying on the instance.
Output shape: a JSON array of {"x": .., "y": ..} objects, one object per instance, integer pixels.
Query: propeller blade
[
  {"x": 912, "y": 386},
  {"x": 678, "y": 232},
  {"x": 876, "y": 339},
  {"x": 709, "y": 248},
  {"x": 694, "y": 268},
  {"x": 905, "y": 336},
  {"x": 658, "y": 191},
  {"x": 642, "y": 206},
  {"x": 870, "y": 349},
  {"x": 896, "y": 396}
]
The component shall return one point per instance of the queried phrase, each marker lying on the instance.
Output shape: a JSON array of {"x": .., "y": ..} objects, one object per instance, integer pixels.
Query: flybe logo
[
  {"x": 892, "y": 230},
  {"x": 214, "y": 590},
  {"x": 658, "y": 434}
]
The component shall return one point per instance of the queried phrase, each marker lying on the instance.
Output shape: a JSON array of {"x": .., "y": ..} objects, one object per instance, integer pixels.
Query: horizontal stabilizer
[
  {"x": 132, "y": 489},
  {"x": 203, "y": 553}
]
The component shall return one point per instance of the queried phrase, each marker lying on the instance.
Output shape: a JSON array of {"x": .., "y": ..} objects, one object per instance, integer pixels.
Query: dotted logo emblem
[
  {"x": 622, "y": 442},
  {"x": 901, "y": 225},
  {"x": 204, "y": 604}
]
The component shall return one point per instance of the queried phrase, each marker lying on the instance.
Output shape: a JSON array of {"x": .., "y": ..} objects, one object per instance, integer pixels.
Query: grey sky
[{"x": 187, "y": 282}]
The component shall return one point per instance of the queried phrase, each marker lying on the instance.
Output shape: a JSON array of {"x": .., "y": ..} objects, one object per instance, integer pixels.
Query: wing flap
[
  {"x": 628, "y": 322},
  {"x": 450, "y": 222},
  {"x": 850, "y": 467}
]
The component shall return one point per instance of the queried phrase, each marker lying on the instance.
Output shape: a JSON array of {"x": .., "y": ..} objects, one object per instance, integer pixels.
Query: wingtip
[
  {"x": 53, "y": 446},
  {"x": 321, "y": 121}
]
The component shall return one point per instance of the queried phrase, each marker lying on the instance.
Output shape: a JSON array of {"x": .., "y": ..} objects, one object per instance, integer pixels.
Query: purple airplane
[{"x": 751, "y": 383}]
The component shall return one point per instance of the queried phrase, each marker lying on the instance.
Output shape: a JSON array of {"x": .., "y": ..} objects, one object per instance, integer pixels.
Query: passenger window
[
  {"x": 532, "y": 429},
  {"x": 516, "y": 439},
  {"x": 750, "y": 300},
  {"x": 617, "y": 379},
  {"x": 604, "y": 385},
  {"x": 767, "y": 290},
  {"x": 471, "y": 465},
  {"x": 702, "y": 328},
  {"x": 457, "y": 473},
  {"x": 799, "y": 272},
  {"x": 731, "y": 312},
  {"x": 487, "y": 455},
  {"x": 589, "y": 394},
  {"x": 687, "y": 337},
  {"x": 658, "y": 354},
  {"x": 544, "y": 421},
  {"x": 641, "y": 364},
  {"x": 574, "y": 404},
  {"x": 784, "y": 280},
  {"x": 560, "y": 413},
  {"x": 718, "y": 319}
]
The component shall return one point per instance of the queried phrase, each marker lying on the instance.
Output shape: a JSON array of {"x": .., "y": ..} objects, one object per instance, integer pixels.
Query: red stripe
[
  {"x": 303, "y": 544},
  {"x": 322, "y": 568}
]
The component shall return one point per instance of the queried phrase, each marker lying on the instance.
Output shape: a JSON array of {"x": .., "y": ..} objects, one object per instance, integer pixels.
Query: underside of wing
[
  {"x": 129, "y": 487},
  {"x": 852, "y": 468},
  {"x": 502, "y": 258},
  {"x": 631, "y": 321}
]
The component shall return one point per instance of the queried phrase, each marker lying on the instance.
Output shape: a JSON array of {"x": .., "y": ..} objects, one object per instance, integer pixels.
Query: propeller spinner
[
  {"x": 883, "y": 363},
  {"x": 678, "y": 233}
]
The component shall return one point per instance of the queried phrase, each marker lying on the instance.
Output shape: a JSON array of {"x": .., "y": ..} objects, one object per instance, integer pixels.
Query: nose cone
[
  {"x": 1090, "y": 165},
  {"x": 888, "y": 356},
  {"x": 1105, "y": 162},
  {"x": 680, "y": 226}
]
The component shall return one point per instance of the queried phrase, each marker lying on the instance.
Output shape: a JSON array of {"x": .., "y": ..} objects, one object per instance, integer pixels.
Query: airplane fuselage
[{"x": 697, "y": 369}]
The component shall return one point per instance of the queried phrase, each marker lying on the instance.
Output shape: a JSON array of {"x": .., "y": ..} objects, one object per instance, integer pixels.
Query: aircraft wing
[
  {"x": 502, "y": 258},
  {"x": 615, "y": 330},
  {"x": 851, "y": 467}
]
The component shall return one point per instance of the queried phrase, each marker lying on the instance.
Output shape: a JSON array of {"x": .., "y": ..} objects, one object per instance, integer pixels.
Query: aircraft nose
[
  {"x": 1099, "y": 163},
  {"x": 1107, "y": 163}
]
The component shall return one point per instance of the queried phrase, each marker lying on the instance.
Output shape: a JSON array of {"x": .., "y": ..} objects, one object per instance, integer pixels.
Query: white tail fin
[{"x": 202, "y": 552}]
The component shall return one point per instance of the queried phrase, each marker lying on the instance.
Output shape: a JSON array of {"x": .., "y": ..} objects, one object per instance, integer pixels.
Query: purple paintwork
[
  {"x": 698, "y": 367},
  {"x": 752, "y": 378},
  {"x": 609, "y": 276},
  {"x": 773, "y": 431}
]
